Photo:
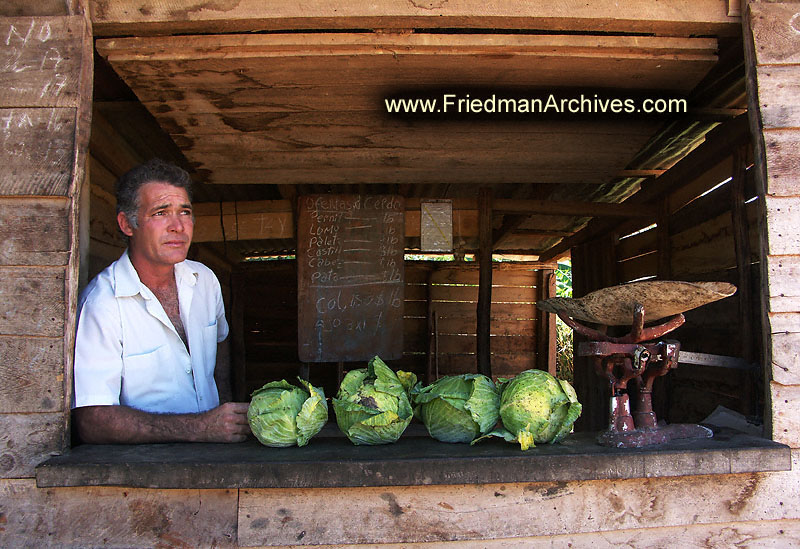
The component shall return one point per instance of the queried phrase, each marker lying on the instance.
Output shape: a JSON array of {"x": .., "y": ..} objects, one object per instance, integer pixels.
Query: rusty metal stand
[{"x": 630, "y": 358}]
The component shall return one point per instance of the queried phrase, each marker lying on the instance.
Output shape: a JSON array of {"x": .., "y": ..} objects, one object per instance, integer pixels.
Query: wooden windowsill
[{"x": 330, "y": 460}]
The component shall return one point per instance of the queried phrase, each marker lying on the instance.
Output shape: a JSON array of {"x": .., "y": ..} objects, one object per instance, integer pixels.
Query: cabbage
[
  {"x": 281, "y": 414},
  {"x": 535, "y": 407},
  {"x": 373, "y": 406},
  {"x": 458, "y": 408}
]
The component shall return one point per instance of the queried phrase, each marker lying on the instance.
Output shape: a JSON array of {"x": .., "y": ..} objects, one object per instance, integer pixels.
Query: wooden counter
[{"x": 330, "y": 460}]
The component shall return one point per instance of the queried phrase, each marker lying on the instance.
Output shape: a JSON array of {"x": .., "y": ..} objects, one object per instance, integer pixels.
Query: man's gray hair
[{"x": 154, "y": 170}]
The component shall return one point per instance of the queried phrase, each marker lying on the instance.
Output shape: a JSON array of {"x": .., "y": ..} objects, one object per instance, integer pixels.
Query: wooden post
[
  {"x": 593, "y": 267},
  {"x": 485, "y": 280},
  {"x": 546, "y": 330},
  {"x": 432, "y": 332},
  {"x": 238, "y": 355},
  {"x": 741, "y": 238},
  {"x": 664, "y": 251}
]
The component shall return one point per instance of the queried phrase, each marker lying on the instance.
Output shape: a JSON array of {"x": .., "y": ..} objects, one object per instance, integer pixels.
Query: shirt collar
[{"x": 129, "y": 284}]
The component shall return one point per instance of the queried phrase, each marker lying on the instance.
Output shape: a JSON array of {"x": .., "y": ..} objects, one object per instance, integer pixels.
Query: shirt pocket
[{"x": 147, "y": 371}]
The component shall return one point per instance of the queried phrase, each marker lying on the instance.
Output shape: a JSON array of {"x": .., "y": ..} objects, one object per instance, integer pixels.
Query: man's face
[{"x": 165, "y": 225}]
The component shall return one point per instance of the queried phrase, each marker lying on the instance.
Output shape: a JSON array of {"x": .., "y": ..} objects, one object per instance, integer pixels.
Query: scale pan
[{"x": 614, "y": 306}]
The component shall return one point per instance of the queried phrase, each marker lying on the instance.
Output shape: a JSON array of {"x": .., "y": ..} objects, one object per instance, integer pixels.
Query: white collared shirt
[{"x": 128, "y": 352}]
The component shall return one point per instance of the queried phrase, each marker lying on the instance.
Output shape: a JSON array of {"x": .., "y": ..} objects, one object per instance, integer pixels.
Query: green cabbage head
[
  {"x": 281, "y": 414},
  {"x": 373, "y": 406},
  {"x": 535, "y": 407},
  {"x": 458, "y": 408}
]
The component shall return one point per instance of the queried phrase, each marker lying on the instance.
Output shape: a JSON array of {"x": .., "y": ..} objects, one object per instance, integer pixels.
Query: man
[{"x": 149, "y": 327}]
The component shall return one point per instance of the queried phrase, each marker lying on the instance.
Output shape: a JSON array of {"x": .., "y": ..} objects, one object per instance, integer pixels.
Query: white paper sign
[{"x": 436, "y": 225}]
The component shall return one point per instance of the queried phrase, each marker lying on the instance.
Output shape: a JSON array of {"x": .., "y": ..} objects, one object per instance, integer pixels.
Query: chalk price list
[{"x": 353, "y": 264}]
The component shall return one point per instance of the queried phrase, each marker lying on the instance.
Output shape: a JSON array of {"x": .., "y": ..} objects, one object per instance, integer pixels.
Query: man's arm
[{"x": 122, "y": 424}]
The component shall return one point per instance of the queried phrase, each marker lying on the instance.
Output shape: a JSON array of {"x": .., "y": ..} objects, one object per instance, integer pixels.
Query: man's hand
[
  {"x": 125, "y": 425},
  {"x": 226, "y": 423}
]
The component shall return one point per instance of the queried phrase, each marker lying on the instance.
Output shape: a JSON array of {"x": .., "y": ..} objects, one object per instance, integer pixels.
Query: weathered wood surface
[
  {"x": 773, "y": 533},
  {"x": 781, "y": 149},
  {"x": 776, "y": 32},
  {"x": 34, "y": 231},
  {"x": 40, "y": 61},
  {"x": 710, "y": 245},
  {"x": 778, "y": 90},
  {"x": 112, "y": 17},
  {"x": 250, "y": 85},
  {"x": 31, "y": 374},
  {"x": 34, "y": 298},
  {"x": 369, "y": 47},
  {"x": 785, "y": 329},
  {"x": 36, "y": 150},
  {"x": 18, "y": 8},
  {"x": 26, "y": 440},
  {"x": 450, "y": 513},
  {"x": 785, "y": 420},
  {"x": 782, "y": 216},
  {"x": 784, "y": 283},
  {"x": 122, "y": 517}
]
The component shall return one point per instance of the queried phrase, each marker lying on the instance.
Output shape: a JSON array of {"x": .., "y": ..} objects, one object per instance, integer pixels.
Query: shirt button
[{"x": 188, "y": 370}]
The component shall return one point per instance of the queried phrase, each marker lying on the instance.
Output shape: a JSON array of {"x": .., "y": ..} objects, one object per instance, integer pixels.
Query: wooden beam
[
  {"x": 366, "y": 45},
  {"x": 668, "y": 17},
  {"x": 640, "y": 173},
  {"x": 273, "y": 219},
  {"x": 583, "y": 209},
  {"x": 541, "y": 232},
  {"x": 484, "y": 310}
]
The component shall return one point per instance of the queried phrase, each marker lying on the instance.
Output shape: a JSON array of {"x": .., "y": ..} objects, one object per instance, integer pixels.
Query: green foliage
[{"x": 564, "y": 362}]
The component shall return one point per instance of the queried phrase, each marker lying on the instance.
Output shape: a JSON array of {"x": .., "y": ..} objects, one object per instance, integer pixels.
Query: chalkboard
[{"x": 350, "y": 277}]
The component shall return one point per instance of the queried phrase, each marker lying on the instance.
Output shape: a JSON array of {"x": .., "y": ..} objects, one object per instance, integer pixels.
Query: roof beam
[{"x": 666, "y": 18}]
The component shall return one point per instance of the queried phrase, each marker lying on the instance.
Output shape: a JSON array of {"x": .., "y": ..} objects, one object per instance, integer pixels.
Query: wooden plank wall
[
  {"x": 46, "y": 69},
  {"x": 109, "y": 158},
  {"x": 451, "y": 293},
  {"x": 772, "y": 39},
  {"x": 265, "y": 305}
]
